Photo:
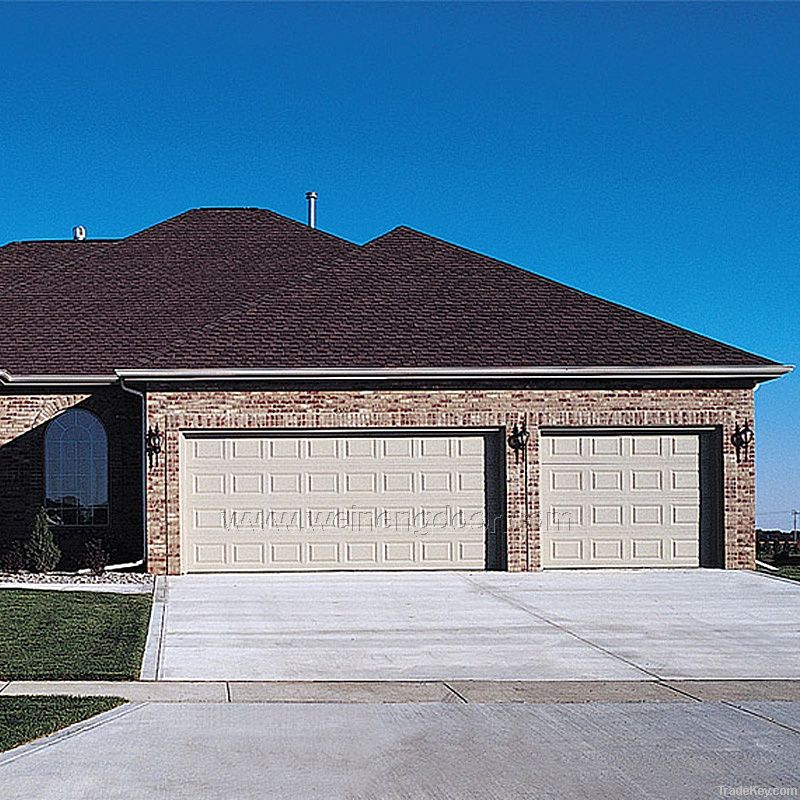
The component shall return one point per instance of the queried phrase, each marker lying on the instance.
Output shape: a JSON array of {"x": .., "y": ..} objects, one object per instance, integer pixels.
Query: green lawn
[
  {"x": 49, "y": 635},
  {"x": 785, "y": 572},
  {"x": 25, "y": 718}
]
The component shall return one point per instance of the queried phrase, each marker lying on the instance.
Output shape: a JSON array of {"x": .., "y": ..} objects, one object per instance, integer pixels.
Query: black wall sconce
[
  {"x": 518, "y": 440},
  {"x": 741, "y": 439},
  {"x": 153, "y": 445}
]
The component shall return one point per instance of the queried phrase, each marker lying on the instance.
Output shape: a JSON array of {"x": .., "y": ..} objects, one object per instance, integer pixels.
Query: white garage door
[
  {"x": 620, "y": 500},
  {"x": 332, "y": 502}
]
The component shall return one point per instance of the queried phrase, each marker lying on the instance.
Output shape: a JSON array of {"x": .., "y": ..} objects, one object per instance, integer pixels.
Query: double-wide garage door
[
  {"x": 333, "y": 502},
  {"x": 611, "y": 500}
]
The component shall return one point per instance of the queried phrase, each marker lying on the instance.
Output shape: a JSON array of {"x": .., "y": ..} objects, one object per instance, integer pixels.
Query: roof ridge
[
  {"x": 387, "y": 233},
  {"x": 267, "y": 211}
]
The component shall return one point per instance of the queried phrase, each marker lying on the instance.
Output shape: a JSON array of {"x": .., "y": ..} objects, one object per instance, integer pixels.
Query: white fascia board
[
  {"x": 755, "y": 372},
  {"x": 56, "y": 380},
  {"x": 763, "y": 372}
]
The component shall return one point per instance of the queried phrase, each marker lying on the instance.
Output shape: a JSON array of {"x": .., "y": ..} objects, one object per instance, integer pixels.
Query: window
[{"x": 76, "y": 469}]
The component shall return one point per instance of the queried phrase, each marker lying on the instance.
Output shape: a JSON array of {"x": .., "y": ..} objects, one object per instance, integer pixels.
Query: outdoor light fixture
[
  {"x": 518, "y": 442},
  {"x": 741, "y": 438},
  {"x": 153, "y": 445},
  {"x": 518, "y": 439}
]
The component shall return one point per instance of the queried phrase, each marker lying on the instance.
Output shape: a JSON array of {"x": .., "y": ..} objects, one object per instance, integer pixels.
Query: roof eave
[
  {"x": 756, "y": 372},
  {"x": 6, "y": 378}
]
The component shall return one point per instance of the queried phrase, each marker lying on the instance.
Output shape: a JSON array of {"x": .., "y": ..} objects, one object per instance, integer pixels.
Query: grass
[
  {"x": 793, "y": 573},
  {"x": 56, "y": 635},
  {"x": 25, "y": 718}
]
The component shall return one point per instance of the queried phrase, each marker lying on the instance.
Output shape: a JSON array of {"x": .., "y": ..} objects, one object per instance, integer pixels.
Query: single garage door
[
  {"x": 620, "y": 499},
  {"x": 319, "y": 502}
]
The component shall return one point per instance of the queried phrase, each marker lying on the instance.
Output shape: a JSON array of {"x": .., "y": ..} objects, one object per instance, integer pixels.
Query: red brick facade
[
  {"x": 23, "y": 422},
  {"x": 255, "y": 408}
]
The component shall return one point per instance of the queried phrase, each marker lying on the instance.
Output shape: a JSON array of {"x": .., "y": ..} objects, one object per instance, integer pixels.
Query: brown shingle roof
[{"x": 239, "y": 288}]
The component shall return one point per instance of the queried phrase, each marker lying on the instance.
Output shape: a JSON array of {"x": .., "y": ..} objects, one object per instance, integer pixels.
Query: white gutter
[
  {"x": 56, "y": 380},
  {"x": 765, "y": 371},
  {"x": 756, "y": 372}
]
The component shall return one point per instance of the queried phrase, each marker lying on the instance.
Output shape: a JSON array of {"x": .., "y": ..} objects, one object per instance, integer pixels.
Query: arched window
[{"x": 76, "y": 469}]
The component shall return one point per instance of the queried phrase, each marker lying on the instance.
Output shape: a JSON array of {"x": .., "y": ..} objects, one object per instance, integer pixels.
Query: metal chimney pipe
[
  {"x": 78, "y": 233},
  {"x": 311, "y": 197}
]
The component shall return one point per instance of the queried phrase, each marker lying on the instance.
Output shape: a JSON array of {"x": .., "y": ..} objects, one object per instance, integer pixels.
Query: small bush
[
  {"x": 41, "y": 551},
  {"x": 12, "y": 559},
  {"x": 96, "y": 556}
]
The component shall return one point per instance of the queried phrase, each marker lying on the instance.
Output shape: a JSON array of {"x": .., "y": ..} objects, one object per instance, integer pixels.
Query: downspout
[{"x": 141, "y": 396}]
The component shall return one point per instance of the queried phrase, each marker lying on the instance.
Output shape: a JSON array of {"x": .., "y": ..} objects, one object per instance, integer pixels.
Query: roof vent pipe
[
  {"x": 78, "y": 233},
  {"x": 311, "y": 197}
]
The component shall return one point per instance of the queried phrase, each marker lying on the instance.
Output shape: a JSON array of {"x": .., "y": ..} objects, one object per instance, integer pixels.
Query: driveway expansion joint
[
  {"x": 538, "y": 615},
  {"x": 749, "y": 711},
  {"x": 455, "y": 692},
  {"x": 682, "y": 692}
]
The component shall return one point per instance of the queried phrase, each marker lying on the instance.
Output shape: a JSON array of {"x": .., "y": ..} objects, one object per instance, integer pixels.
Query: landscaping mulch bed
[{"x": 111, "y": 578}]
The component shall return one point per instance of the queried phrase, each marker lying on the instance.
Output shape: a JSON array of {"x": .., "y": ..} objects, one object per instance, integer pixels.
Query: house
[{"x": 234, "y": 390}]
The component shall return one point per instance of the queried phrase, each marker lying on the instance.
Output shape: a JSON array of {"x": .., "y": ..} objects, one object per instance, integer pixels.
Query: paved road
[
  {"x": 562, "y": 625},
  {"x": 424, "y": 750}
]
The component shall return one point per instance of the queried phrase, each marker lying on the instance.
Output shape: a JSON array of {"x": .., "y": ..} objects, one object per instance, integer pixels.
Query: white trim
[
  {"x": 623, "y": 430},
  {"x": 195, "y": 432},
  {"x": 758, "y": 371},
  {"x": 57, "y": 380},
  {"x": 394, "y": 373}
]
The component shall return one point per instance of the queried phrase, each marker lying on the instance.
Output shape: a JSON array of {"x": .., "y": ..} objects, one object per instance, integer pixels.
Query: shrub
[
  {"x": 12, "y": 559},
  {"x": 41, "y": 551},
  {"x": 96, "y": 556}
]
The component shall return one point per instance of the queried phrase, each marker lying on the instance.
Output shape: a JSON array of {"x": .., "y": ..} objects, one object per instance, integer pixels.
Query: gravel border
[{"x": 73, "y": 579}]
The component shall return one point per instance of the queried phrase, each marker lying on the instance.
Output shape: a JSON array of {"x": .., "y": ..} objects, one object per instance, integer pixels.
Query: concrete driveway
[
  {"x": 565, "y": 625},
  {"x": 428, "y": 750}
]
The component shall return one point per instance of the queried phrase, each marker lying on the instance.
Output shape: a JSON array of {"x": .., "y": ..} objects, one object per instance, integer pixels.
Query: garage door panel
[
  {"x": 647, "y": 515},
  {"x": 247, "y": 449},
  {"x": 210, "y": 554},
  {"x": 211, "y": 484},
  {"x": 205, "y": 449},
  {"x": 647, "y": 549},
  {"x": 399, "y": 554},
  {"x": 608, "y": 550},
  {"x": 684, "y": 549},
  {"x": 289, "y": 553},
  {"x": 602, "y": 446},
  {"x": 646, "y": 446},
  {"x": 333, "y": 502},
  {"x": 361, "y": 482},
  {"x": 620, "y": 500},
  {"x": 247, "y": 553}
]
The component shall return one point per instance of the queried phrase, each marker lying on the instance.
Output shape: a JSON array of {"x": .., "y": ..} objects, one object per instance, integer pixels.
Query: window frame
[{"x": 59, "y": 523}]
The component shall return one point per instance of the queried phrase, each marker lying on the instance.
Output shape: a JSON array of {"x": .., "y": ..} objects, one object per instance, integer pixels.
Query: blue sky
[{"x": 646, "y": 153}]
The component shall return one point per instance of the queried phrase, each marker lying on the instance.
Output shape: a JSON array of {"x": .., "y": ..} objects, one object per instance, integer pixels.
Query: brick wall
[
  {"x": 212, "y": 406},
  {"x": 23, "y": 421}
]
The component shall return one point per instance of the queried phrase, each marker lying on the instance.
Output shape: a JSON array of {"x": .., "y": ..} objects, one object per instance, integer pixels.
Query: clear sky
[{"x": 647, "y": 153}]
